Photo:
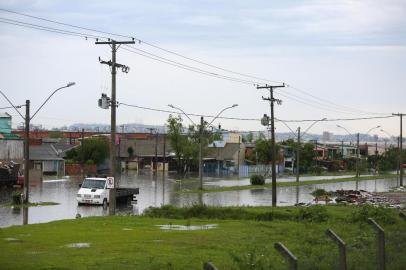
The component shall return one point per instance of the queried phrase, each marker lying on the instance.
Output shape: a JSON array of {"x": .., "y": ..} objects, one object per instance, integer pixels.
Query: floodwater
[{"x": 159, "y": 190}]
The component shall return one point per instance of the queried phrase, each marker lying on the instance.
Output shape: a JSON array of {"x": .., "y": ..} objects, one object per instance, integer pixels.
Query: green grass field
[
  {"x": 243, "y": 239},
  {"x": 290, "y": 184}
]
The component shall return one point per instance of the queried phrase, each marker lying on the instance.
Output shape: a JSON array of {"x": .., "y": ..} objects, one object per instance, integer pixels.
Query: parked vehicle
[
  {"x": 95, "y": 191},
  {"x": 8, "y": 173}
]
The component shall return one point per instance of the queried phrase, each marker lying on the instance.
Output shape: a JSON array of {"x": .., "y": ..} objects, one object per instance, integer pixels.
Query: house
[
  {"x": 5, "y": 123},
  {"x": 149, "y": 154},
  {"x": 48, "y": 158},
  {"x": 223, "y": 158}
]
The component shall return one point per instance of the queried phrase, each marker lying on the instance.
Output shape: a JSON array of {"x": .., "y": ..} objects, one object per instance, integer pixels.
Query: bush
[
  {"x": 321, "y": 192},
  {"x": 380, "y": 214},
  {"x": 89, "y": 162},
  {"x": 257, "y": 179},
  {"x": 316, "y": 213},
  {"x": 16, "y": 197}
]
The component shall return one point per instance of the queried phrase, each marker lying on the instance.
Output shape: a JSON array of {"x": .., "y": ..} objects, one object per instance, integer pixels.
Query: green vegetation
[
  {"x": 243, "y": 239},
  {"x": 16, "y": 197},
  {"x": 95, "y": 151},
  {"x": 289, "y": 184},
  {"x": 186, "y": 146},
  {"x": 257, "y": 180}
]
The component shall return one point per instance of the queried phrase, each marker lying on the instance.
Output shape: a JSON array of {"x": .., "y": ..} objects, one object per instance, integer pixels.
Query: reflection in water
[
  {"x": 25, "y": 215},
  {"x": 157, "y": 190}
]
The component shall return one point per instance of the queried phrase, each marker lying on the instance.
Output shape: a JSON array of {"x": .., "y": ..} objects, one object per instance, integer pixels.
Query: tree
[
  {"x": 186, "y": 145},
  {"x": 94, "y": 149},
  {"x": 263, "y": 151}
]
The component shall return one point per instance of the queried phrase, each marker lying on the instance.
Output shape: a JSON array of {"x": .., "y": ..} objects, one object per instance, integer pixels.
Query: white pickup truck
[{"x": 94, "y": 191}]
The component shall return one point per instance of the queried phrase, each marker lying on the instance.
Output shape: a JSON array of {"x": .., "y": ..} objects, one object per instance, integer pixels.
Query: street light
[
  {"x": 28, "y": 119},
  {"x": 298, "y": 141},
  {"x": 357, "y": 166},
  {"x": 201, "y": 129}
]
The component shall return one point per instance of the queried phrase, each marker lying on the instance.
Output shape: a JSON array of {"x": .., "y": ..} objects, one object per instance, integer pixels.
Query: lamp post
[
  {"x": 358, "y": 154},
  {"x": 398, "y": 142},
  {"x": 27, "y": 120},
  {"x": 299, "y": 135},
  {"x": 202, "y": 126}
]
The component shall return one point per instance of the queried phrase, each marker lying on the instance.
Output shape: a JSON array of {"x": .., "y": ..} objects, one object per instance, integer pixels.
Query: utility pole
[
  {"x": 271, "y": 100},
  {"x": 27, "y": 152},
  {"x": 155, "y": 167},
  {"x": 163, "y": 169},
  {"x": 201, "y": 153},
  {"x": 83, "y": 153},
  {"x": 113, "y": 162},
  {"x": 357, "y": 161},
  {"x": 342, "y": 149},
  {"x": 238, "y": 160},
  {"x": 298, "y": 155},
  {"x": 400, "y": 148}
]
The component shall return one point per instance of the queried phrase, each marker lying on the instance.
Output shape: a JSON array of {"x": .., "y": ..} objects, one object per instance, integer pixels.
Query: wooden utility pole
[
  {"x": 272, "y": 100},
  {"x": 113, "y": 161},
  {"x": 298, "y": 155},
  {"x": 27, "y": 152},
  {"x": 400, "y": 148}
]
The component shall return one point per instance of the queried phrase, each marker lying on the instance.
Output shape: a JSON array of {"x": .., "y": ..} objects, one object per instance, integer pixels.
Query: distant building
[
  {"x": 5, "y": 123},
  {"x": 327, "y": 136}
]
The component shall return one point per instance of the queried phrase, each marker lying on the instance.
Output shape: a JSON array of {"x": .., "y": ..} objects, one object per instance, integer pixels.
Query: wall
[
  {"x": 76, "y": 169},
  {"x": 12, "y": 150}
]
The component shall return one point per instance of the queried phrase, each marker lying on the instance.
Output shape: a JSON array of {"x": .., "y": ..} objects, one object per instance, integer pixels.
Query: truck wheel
[{"x": 105, "y": 203}]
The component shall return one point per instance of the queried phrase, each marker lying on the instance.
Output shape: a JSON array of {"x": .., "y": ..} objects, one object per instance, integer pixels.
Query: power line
[
  {"x": 140, "y": 41},
  {"x": 257, "y": 119},
  {"x": 172, "y": 62},
  {"x": 45, "y": 28},
  {"x": 332, "y": 103},
  {"x": 141, "y": 52}
]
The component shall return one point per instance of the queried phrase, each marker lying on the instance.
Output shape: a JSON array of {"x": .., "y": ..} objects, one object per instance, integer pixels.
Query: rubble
[{"x": 360, "y": 197}]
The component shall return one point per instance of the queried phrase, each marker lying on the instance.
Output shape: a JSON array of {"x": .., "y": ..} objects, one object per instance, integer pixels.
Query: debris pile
[{"x": 360, "y": 197}]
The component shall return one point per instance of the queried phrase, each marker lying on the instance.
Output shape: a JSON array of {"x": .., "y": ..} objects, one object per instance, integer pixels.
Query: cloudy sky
[{"x": 342, "y": 59}]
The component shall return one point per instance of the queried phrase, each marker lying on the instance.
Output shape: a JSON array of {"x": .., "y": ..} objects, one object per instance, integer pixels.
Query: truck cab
[{"x": 93, "y": 191}]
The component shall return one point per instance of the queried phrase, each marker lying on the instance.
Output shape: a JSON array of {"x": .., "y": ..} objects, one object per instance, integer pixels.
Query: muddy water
[{"x": 156, "y": 191}]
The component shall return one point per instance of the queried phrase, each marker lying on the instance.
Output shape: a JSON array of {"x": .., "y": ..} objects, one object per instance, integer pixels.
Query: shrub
[
  {"x": 320, "y": 192},
  {"x": 316, "y": 213},
  {"x": 257, "y": 179},
  {"x": 380, "y": 214},
  {"x": 16, "y": 197},
  {"x": 89, "y": 162}
]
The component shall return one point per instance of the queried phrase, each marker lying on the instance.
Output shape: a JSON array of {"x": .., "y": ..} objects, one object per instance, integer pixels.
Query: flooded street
[{"x": 156, "y": 191}]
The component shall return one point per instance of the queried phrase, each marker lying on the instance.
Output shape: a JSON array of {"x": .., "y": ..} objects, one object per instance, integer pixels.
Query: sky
[{"x": 347, "y": 58}]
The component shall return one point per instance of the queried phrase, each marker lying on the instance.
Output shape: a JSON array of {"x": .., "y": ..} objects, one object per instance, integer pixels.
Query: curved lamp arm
[
  {"x": 179, "y": 109},
  {"x": 233, "y": 106},
  {"x": 66, "y": 86}
]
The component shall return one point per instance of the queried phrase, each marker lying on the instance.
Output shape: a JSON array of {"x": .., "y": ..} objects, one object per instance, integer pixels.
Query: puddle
[
  {"x": 78, "y": 245},
  {"x": 187, "y": 228},
  {"x": 127, "y": 229}
]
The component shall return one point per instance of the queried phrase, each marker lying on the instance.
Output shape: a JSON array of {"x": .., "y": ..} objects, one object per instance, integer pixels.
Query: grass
[
  {"x": 32, "y": 204},
  {"x": 244, "y": 236},
  {"x": 289, "y": 184}
]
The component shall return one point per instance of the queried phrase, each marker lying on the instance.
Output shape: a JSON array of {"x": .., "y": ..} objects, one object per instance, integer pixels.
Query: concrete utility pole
[
  {"x": 113, "y": 162},
  {"x": 82, "y": 144},
  {"x": 201, "y": 129},
  {"x": 27, "y": 152},
  {"x": 271, "y": 100},
  {"x": 357, "y": 161},
  {"x": 298, "y": 155},
  {"x": 400, "y": 148}
]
